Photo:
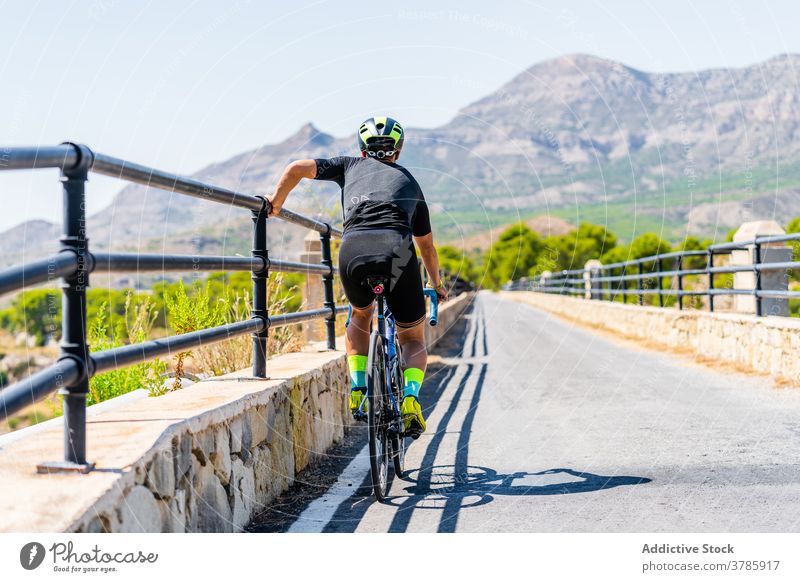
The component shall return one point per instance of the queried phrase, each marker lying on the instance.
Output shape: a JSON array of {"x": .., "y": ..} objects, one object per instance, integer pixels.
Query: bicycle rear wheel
[
  {"x": 398, "y": 441},
  {"x": 377, "y": 418}
]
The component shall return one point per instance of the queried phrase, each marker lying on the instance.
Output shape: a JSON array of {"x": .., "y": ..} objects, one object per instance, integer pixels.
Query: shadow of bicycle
[{"x": 438, "y": 487}]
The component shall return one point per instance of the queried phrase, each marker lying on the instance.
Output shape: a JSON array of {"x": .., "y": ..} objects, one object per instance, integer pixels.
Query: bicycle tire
[
  {"x": 378, "y": 430},
  {"x": 398, "y": 442}
]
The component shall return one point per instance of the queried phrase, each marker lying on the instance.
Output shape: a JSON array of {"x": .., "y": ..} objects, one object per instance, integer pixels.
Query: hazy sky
[{"x": 177, "y": 85}]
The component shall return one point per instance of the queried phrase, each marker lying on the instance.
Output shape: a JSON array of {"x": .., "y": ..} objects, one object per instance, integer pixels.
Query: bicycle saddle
[{"x": 377, "y": 283}]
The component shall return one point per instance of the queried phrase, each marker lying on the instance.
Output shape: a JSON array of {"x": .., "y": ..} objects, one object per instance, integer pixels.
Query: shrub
[
  {"x": 134, "y": 327},
  {"x": 237, "y": 353},
  {"x": 186, "y": 314}
]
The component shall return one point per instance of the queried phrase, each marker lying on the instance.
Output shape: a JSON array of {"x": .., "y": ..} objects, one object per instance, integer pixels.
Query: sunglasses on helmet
[{"x": 380, "y": 154}]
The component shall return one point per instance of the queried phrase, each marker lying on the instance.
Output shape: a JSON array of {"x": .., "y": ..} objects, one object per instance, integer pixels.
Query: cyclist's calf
[
  {"x": 357, "y": 333},
  {"x": 412, "y": 342}
]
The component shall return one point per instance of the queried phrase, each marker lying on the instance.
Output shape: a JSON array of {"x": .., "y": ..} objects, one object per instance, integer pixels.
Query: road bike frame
[{"x": 384, "y": 390}]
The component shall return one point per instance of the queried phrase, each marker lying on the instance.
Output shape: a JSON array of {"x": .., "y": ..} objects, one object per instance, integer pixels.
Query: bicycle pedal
[{"x": 414, "y": 433}]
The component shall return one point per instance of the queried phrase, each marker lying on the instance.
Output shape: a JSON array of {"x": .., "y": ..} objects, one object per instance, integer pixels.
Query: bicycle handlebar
[{"x": 434, "y": 319}]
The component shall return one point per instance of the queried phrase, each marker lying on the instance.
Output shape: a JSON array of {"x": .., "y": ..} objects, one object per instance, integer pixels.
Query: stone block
[
  {"x": 161, "y": 475},
  {"x": 221, "y": 457},
  {"x": 263, "y": 477},
  {"x": 258, "y": 426},
  {"x": 99, "y": 524},
  {"x": 140, "y": 512},
  {"x": 176, "y": 519},
  {"x": 241, "y": 438},
  {"x": 182, "y": 455},
  {"x": 203, "y": 445},
  {"x": 211, "y": 510},
  {"x": 244, "y": 494}
]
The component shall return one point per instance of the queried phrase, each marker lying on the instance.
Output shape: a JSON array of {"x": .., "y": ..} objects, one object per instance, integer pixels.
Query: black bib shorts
[{"x": 389, "y": 253}]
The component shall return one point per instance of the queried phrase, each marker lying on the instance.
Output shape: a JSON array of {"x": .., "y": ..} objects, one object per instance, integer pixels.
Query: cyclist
[{"x": 383, "y": 208}]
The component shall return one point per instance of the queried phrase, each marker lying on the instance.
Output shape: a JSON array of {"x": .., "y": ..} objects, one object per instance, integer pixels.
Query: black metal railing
[
  {"x": 646, "y": 276},
  {"x": 76, "y": 365}
]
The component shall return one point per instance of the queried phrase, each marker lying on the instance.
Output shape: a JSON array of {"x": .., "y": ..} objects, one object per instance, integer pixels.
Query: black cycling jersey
[{"x": 377, "y": 195}]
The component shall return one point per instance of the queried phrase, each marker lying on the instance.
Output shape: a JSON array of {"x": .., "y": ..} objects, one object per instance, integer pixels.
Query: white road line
[{"x": 321, "y": 511}]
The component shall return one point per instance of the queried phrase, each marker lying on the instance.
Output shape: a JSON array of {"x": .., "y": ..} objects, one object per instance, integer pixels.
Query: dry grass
[{"x": 237, "y": 353}]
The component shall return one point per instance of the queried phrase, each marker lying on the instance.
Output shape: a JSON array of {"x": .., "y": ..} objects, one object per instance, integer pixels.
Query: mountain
[{"x": 576, "y": 138}]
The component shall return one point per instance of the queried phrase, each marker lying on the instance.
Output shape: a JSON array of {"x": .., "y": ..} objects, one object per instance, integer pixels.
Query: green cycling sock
[
  {"x": 358, "y": 372},
  {"x": 412, "y": 381}
]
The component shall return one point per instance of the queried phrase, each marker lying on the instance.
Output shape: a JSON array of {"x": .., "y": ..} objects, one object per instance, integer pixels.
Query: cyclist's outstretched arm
[
  {"x": 430, "y": 258},
  {"x": 290, "y": 177}
]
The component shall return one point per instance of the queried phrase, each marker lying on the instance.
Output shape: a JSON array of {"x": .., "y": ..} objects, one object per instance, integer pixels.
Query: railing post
[
  {"x": 679, "y": 268},
  {"x": 73, "y": 317},
  {"x": 757, "y": 275},
  {"x": 753, "y": 254},
  {"x": 639, "y": 283},
  {"x": 658, "y": 283},
  {"x": 624, "y": 283},
  {"x": 710, "y": 264},
  {"x": 327, "y": 281},
  {"x": 591, "y": 271},
  {"x": 313, "y": 289},
  {"x": 259, "y": 278}
]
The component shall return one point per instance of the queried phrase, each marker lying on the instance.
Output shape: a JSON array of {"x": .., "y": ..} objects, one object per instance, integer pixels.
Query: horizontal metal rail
[
  {"x": 293, "y": 267},
  {"x": 133, "y": 354},
  {"x": 66, "y": 264},
  {"x": 607, "y": 281},
  {"x": 124, "y": 262},
  {"x": 673, "y": 292},
  {"x": 35, "y": 272},
  {"x": 30, "y": 390},
  {"x": 63, "y": 157},
  {"x": 298, "y": 317},
  {"x": 139, "y": 174}
]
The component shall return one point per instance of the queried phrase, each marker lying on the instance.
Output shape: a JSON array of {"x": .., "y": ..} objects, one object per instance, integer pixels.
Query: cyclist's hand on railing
[{"x": 274, "y": 205}]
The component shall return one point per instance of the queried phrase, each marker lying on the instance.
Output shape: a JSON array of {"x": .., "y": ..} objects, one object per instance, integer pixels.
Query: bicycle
[{"x": 385, "y": 392}]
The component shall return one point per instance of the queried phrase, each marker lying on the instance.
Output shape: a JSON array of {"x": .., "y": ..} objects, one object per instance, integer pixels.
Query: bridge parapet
[{"x": 762, "y": 344}]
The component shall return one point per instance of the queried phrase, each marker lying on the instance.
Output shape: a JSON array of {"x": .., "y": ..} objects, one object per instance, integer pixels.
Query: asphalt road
[{"x": 535, "y": 424}]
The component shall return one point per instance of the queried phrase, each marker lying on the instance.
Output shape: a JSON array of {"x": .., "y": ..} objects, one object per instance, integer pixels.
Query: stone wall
[
  {"x": 206, "y": 458},
  {"x": 762, "y": 344},
  {"x": 213, "y": 471}
]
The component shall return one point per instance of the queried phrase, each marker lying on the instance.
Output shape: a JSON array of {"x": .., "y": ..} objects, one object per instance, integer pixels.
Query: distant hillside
[
  {"x": 577, "y": 138},
  {"x": 542, "y": 225}
]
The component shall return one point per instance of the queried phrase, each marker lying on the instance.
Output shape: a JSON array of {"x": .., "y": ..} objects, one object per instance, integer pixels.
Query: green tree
[
  {"x": 648, "y": 244},
  {"x": 692, "y": 243},
  {"x": 36, "y": 312},
  {"x": 574, "y": 249},
  {"x": 456, "y": 263},
  {"x": 516, "y": 251}
]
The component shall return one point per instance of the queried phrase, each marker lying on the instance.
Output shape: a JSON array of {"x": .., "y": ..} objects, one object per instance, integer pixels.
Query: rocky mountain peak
[{"x": 307, "y": 136}]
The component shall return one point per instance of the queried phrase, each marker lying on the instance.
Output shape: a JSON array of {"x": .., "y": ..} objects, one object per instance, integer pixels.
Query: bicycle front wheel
[
  {"x": 377, "y": 417},
  {"x": 398, "y": 442}
]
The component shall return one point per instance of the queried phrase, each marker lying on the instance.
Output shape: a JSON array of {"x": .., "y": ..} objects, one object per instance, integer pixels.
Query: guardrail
[
  {"x": 76, "y": 365},
  {"x": 646, "y": 276}
]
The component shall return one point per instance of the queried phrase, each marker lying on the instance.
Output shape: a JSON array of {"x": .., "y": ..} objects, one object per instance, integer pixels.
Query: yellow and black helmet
[{"x": 380, "y": 137}]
